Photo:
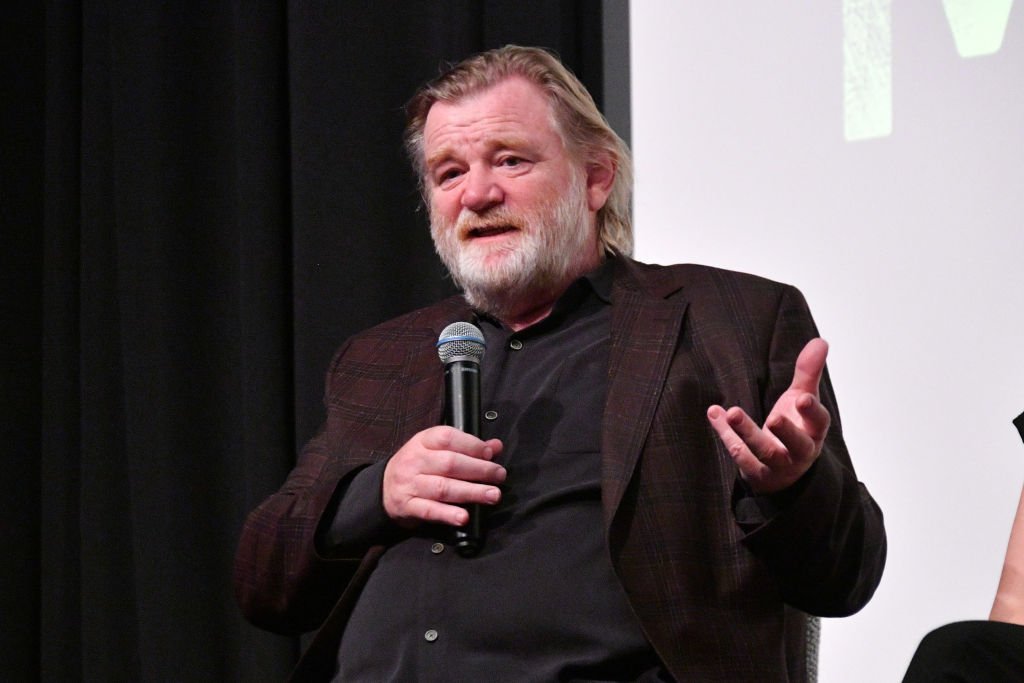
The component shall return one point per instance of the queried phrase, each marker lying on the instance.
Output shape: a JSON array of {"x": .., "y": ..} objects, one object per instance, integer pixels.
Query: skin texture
[{"x": 1009, "y": 602}]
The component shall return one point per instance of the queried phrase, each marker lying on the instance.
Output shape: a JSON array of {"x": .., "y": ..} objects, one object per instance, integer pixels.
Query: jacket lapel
[{"x": 647, "y": 316}]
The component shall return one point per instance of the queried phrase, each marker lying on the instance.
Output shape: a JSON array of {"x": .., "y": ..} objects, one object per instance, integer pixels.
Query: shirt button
[
  {"x": 491, "y": 415},
  {"x": 437, "y": 548},
  {"x": 430, "y": 636},
  {"x": 515, "y": 344}
]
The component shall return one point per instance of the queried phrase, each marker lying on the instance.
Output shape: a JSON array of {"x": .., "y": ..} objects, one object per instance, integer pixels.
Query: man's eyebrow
[
  {"x": 508, "y": 142},
  {"x": 439, "y": 157}
]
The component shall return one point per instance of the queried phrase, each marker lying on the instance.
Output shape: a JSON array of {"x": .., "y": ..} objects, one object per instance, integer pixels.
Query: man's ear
[{"x": 600, "y": 178}]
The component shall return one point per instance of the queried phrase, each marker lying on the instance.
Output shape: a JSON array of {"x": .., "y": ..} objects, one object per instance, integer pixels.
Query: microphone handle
[{"x": 462, "y": 411}]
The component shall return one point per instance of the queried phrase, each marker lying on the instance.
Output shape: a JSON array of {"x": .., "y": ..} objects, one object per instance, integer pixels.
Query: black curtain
[{"x": 201, "y": 200}]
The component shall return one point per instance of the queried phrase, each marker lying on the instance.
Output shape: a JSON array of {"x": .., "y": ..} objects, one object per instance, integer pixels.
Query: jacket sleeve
[
  {"x": 282, "y": 583},
  {"x": 283, "y": 580},
  {"x": 825, "y": 541}
]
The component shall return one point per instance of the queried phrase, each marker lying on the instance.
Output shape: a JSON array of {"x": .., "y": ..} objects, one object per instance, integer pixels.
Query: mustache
[{"x": 469, "y": 224}]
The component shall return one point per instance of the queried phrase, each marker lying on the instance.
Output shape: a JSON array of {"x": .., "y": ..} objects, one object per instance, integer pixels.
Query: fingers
[
  {"x": 454, "y": 440},
  {"x": 419, "y": 510},
  {"x": 441, "y": 498},
  {"x": 798, "y": 445},
  {"x": 772, "y": 458},
  {"x": 810, "y": 365},
  {"x": 814, "y": 416},
  {"x": 438, "y": 470},
  {"x": 748, "y": 446}
]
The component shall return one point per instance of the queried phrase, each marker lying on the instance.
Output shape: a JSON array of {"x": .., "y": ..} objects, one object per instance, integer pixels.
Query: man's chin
[
  {"x": 492, "y": 269},
  {"x": 489, "y": 288},
  {"x": 492, "y": 288},
  {"x": 489, "y": 257},
  {"x": 496, "y": 301}
]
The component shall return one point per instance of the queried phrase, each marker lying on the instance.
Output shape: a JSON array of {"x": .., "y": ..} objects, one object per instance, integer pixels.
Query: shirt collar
[
  {"x": 597, "y": 281},
  {"x": 601, "y": 279}
]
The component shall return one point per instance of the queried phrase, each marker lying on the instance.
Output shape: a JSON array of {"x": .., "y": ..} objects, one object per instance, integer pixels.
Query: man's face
[{"x": 510, "y": 212}]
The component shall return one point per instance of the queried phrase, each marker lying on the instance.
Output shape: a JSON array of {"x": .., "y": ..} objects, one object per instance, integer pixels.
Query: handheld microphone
[{"x": 460, "y": 347}]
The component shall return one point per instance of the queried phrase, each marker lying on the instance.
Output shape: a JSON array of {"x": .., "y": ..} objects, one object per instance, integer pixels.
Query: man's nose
[{"x": 481, "y": 191}]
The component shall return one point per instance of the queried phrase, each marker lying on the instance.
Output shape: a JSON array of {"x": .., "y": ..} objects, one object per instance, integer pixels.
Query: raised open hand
[{"x": 771, "y": 458}]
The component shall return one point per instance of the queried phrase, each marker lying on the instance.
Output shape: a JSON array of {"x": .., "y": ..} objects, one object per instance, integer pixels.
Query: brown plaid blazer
[{"x": 722, "y": 590}]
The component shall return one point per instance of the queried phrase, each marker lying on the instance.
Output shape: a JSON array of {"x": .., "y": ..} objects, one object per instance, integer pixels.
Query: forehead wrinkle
[
  {"x": 463, "y": 129},
  {"x": 488, "y": 142},
  {"x": 490, "y": 146}
]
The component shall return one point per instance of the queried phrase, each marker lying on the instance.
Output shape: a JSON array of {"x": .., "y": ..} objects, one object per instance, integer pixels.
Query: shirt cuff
[
  {"x": 357, "y": 516},
  {"x": 752, "y": 510}
]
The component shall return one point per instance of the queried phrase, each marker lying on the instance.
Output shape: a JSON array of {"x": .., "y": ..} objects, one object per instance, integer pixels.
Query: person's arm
[
  {"x": 805, "y": 513},
  {"x": 300, "y": 547},
  {"x": 1009, "y": 602},
  {"x": 348, "y": 493},
  {"x": 282, "y": 583}
]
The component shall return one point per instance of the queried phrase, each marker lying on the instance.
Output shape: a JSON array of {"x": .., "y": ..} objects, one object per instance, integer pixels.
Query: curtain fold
[{"x": 213, "y": 196}]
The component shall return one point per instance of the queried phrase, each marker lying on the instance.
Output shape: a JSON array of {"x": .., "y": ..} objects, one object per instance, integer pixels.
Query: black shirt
[{"x": 540, "y": 602}]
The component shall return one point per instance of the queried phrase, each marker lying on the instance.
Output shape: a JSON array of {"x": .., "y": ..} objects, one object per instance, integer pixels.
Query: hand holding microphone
[{"x": 442, "y": 469}]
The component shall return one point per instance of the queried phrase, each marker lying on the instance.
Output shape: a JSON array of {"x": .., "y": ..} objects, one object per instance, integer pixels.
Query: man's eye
[
  {"x": 448, "y": 174},
  {"x": 511, "y": 162}
]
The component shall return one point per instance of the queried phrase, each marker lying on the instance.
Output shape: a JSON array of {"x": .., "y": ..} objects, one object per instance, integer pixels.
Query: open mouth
[{"x": 488, "y": 231}]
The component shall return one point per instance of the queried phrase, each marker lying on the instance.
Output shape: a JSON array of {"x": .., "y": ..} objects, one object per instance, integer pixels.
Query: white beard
[{"x": 548, "y": 252}]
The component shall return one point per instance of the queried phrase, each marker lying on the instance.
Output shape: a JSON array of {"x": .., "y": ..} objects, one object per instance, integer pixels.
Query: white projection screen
[{"x": 870, "y": 152}]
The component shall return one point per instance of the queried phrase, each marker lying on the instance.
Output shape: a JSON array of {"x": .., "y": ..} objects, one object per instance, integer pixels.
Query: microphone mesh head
[{"x": 460, "y": 341}]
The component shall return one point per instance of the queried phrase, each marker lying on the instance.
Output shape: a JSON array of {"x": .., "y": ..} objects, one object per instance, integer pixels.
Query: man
[{"x": 636, "y": 529}]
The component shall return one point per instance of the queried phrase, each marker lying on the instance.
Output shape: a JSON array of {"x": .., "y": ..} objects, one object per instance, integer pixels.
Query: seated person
[{"x": 990, "y": 651}]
